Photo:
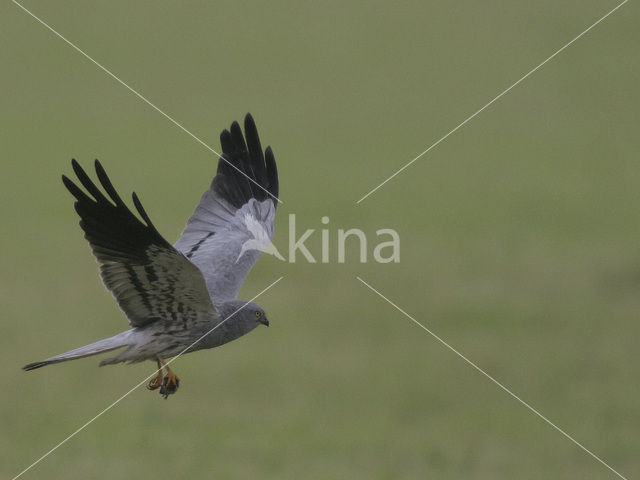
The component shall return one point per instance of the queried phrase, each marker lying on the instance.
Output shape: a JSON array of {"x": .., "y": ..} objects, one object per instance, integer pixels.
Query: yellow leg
[{"x": 156, "y": 382}]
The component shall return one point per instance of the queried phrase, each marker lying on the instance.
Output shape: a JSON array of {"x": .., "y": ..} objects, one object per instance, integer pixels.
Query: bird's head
[{"x": 248, "y": 313}]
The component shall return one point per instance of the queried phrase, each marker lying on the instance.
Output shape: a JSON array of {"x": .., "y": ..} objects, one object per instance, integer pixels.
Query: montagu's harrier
[{"x": 173, "y": 295}]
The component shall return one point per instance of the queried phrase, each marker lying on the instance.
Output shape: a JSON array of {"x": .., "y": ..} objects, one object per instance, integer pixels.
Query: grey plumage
[{"x": 172, "y": 295}]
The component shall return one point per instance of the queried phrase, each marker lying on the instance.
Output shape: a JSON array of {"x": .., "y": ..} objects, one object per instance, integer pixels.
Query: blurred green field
[{"x": 520, "y": 237}]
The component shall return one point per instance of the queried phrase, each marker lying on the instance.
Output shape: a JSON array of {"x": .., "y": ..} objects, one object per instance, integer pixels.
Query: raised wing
[
  {"x": 240, "y": 202},
  {"x": 149, "y": 278}
]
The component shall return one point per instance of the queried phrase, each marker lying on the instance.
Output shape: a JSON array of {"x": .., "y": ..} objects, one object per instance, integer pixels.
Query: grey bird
[{"x": 173, "y": 295}]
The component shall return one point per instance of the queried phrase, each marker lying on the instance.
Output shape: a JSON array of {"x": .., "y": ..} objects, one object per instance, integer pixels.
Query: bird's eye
[{"x": 258, "y": 313}]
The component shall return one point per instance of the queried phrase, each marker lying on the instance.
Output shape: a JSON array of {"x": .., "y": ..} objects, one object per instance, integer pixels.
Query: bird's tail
[{"x": 117, "y": 341}]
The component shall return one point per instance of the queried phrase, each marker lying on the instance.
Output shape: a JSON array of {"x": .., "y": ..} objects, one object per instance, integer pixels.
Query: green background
[{"x": 519, "y": 237}]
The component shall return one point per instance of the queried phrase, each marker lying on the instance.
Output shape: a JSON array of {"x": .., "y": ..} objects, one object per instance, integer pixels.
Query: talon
[{"x": 154, "y": 384}]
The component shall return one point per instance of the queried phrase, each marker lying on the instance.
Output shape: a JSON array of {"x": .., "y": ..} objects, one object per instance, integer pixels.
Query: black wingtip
[
  {"x": 107, "y": 185},
  {"x": 108, "y": 223},
  {"x": 226, "y": 142},
  {"x": 272, "y": 172},
  {"x": 33, "y": 366},
  {"x": 238, "y": 140},
  {"x": 75, "y": 191},
  {"x": 67, "y": 182},
  {"x": 244, "y": 171},
  {"x": 142, "y": 212}
]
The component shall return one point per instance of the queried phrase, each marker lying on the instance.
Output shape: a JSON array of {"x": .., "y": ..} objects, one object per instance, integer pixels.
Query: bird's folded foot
[{"x": 170, "y": 384}]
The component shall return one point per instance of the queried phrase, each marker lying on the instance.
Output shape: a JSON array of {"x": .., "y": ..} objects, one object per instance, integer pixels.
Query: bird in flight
[{"x": 180, "y": 298}]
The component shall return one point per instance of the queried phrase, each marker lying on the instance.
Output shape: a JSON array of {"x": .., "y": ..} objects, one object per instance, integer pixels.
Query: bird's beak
[{"x": 264, "y": 321}]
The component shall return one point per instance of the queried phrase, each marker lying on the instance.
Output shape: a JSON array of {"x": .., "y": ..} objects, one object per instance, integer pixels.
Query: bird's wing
[
  {"x": 242, "y": 198},
  {"x": 149, "y": 278}
]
